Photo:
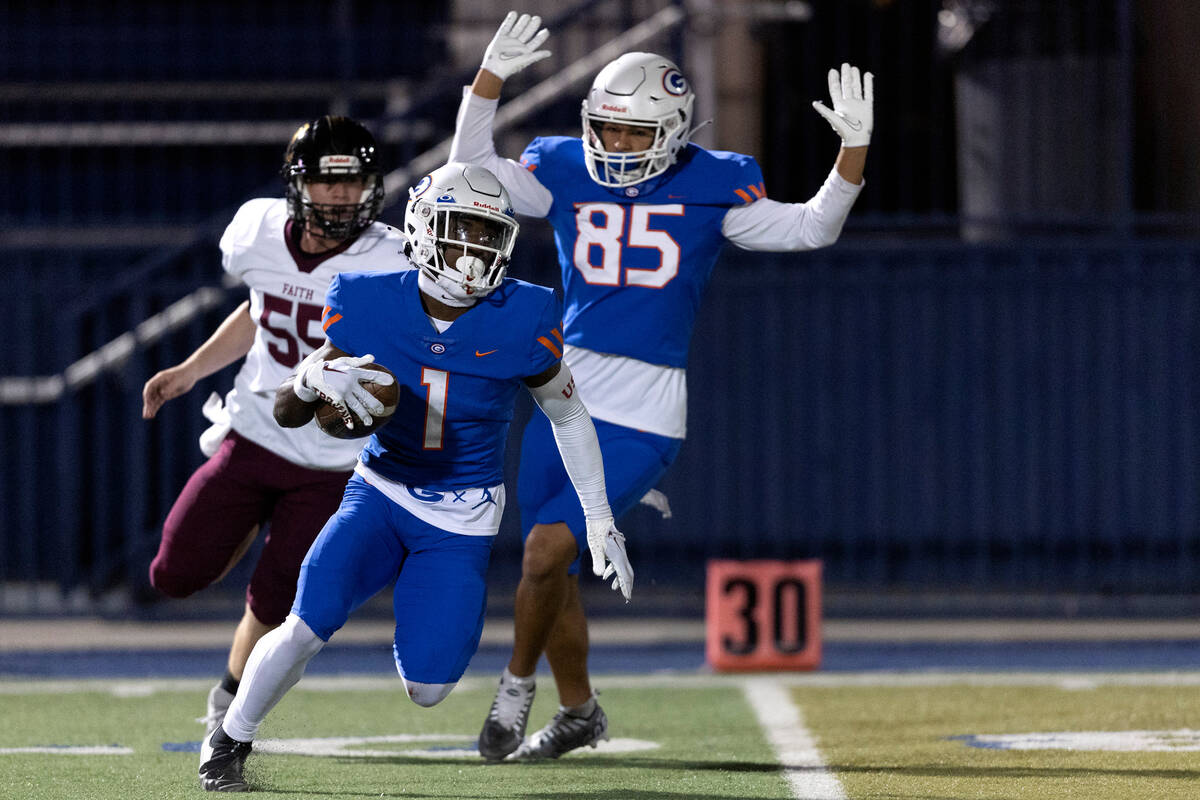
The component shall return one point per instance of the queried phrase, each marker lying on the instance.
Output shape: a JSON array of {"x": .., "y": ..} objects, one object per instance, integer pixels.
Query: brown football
[{"x": 331, "y": 422}]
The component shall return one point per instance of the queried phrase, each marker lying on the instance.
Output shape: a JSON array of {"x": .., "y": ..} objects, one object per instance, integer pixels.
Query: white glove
[
  {"x": 608, "y": 544},
  {"x": 515, "y": 46},
  {"x": 853, "y": 114},
  {"x": 339, "y": 383}
]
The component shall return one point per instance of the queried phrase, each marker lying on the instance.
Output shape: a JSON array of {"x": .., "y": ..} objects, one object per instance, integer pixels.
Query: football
[{"x": 329, "y": 421}]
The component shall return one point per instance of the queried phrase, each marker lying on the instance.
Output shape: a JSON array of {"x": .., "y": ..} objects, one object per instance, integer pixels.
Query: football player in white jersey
[
  {"x": 640, "y": 215},
  {"x": 286, "y": 250}
]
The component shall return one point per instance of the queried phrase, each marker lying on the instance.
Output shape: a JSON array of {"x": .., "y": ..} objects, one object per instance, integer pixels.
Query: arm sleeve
[
  {"x": 768, "y": 224},
  {"x": 473, "y": 144},
  {"x": 576, "y": 438}
]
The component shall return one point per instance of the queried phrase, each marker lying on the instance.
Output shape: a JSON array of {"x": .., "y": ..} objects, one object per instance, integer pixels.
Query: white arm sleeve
[
  {"x": 473, "y": 144},
  {"x": 576, "y": 438},
  {"x": 770, "y": 225}
]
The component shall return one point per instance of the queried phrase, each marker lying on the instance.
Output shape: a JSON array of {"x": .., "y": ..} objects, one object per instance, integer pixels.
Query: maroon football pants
[{"x": 241, "y": 486}]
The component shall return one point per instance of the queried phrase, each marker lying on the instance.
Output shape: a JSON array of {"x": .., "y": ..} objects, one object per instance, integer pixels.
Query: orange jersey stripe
[
  {"x": 550, "y": 346},
  {"x": 742, "y": 193},
  {"x": 558, "y": 336},
  {"x": 757, "y": 191},
  {"x": 325, "y": 325}
]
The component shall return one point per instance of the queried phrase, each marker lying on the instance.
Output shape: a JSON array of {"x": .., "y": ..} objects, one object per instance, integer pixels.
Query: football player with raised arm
[
  {"x": 639, "y": 215},
  {"x": 426, "y": 498},
  {"x": 285, "y": 250}
]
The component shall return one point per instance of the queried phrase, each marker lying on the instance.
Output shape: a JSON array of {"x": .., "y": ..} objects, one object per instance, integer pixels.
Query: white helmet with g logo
[
  {"x": 464, "y": 209},
  {"x": 637, "y": 89}
]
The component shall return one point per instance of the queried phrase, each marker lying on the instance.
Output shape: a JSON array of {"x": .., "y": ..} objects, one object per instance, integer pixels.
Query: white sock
[
  {"x": 584, "y": 710},
  {"x": 275, "y": 665},
  {"x": 523, "y": 683}
]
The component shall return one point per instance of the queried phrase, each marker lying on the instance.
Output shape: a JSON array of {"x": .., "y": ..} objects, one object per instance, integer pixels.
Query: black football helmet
[{"x": 325, "y": 149}]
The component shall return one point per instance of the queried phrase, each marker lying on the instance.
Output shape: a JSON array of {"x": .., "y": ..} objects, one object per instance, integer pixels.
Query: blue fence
[
  {"x": 1016, "y": 417},
  {"x": 929, "y": 416}
]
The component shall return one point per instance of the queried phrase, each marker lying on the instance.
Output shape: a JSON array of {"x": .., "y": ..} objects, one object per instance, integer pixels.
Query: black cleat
[{"x": 221, "y": 761}]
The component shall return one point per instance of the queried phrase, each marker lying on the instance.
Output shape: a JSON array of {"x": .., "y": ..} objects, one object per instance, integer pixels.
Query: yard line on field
[{"x": 797, "y": 750}]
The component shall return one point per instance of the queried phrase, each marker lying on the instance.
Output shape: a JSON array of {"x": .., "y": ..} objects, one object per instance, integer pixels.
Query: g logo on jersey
[{"x": 674, "y": 82}]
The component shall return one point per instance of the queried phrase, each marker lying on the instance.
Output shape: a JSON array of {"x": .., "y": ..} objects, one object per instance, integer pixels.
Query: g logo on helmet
[
  {"x": 421, "y": 186},
  {"x": 674, "y": 82}
]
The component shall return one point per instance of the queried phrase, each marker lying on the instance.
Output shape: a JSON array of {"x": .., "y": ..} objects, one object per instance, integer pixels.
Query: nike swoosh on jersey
[{"x": 481, "y": 355}]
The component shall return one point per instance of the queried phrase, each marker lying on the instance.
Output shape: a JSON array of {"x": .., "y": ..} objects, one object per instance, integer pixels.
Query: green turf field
[{"x": 685, "y": 736}]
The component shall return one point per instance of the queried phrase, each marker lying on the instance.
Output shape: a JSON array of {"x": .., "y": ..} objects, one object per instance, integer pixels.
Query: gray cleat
[
  {"x": 564, "y": 734},
  {"x": 218, "y": 704},
  {"x": 504, "y": 727}
]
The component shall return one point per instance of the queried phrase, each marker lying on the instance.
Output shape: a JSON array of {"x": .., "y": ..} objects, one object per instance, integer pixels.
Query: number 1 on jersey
[{"x": 437, "y": 383}]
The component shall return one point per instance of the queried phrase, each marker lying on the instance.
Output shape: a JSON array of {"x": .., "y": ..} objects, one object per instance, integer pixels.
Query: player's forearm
[
  {"x": 768, "y": 225},
  {"x": 851, "y": 163},
  {"x": 577, "y": 443},
  {"x": 487, "y": 85},
  {"x": 473, "y": 142},
  {"x": 230, "y": 341}
]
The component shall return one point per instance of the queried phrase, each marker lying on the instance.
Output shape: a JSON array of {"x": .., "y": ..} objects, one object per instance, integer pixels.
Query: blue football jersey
[
  {"x": 456, "y": 388},
  {"x": 635, "y": 261}
]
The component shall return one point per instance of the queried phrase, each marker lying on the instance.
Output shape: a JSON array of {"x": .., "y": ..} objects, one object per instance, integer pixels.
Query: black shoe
[{"x": 221, "y": 762}]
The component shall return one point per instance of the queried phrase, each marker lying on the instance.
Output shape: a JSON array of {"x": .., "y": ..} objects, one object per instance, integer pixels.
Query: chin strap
[{"x": 699, "y": 126}]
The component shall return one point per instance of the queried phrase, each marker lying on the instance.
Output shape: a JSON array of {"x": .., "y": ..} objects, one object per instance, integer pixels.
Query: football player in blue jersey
[
  {"x": 640, "y": 215},
  {"x": 427, "y": 494}
]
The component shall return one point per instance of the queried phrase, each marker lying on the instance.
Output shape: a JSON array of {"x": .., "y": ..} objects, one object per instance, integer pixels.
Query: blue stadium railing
[{"x": 1016, "y": 417}]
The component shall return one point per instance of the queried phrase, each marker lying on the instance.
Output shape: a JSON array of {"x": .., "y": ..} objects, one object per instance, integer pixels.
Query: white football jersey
[{"x": 287, "y": 295}]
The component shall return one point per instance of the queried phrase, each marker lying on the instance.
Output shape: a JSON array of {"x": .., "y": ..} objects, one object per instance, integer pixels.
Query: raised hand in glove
[
  {"x": 853, "y": 114},
  {"x": 515, "y": 46},
  {"x": 608, "y": 546},
  {"x": 339, "y": 383}
]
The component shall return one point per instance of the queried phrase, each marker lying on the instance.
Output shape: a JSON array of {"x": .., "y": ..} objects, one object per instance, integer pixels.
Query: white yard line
[{"x": 795, "y": 747}]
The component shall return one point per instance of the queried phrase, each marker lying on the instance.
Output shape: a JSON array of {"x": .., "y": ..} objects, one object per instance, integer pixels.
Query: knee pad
[{"x": 427, "y": 695}]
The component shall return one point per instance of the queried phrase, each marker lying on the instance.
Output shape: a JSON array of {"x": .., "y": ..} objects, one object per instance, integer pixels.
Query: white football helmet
[
  {"x": 637, "y": 89},
  {"x": 461, "y": 207}
]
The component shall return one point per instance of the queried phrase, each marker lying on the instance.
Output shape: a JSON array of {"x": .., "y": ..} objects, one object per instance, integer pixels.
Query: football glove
[
  {"x": 515, "y": 46},
  {"x": 339, "y": 383},
  {"x": 608, "y": 545},
  {"x": 853, "y": 114}
]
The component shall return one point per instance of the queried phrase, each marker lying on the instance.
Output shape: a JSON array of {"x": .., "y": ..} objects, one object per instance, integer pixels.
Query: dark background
[{"x": 983, "y": 398}]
